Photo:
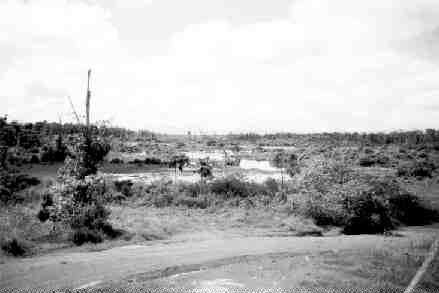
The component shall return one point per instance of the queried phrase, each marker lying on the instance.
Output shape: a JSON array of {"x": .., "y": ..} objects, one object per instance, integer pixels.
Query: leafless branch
[{"x": 74, "y": 111}]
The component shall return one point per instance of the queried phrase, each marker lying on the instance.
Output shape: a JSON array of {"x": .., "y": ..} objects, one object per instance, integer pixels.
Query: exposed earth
[{"x": 235, "y": 263}]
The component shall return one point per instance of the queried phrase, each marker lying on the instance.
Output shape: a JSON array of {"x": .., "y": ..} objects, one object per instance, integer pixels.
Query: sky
[{"x": 221, "y": 66}]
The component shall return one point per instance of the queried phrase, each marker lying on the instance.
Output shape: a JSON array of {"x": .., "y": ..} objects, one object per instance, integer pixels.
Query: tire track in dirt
[{"x": 74, "y": 269}]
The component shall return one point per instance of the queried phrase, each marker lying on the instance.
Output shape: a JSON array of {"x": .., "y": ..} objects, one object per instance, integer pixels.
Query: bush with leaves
[
  {"x": 83, "y": 235},
  {"x": 77, "y": 200},
  {"x": 124, "y": 187},
  {"x": 334, "y": 195},
  {"x": 368, "y": 213},
  {"x": 287, "y": 163},
  {"x": 76, "y": 203},
  {"x": 271, "y": 186},
  {"x": 236, "y": 186},
  {"x": 230, "y": 187},
  {"x": 84, "y": 158},
  {"x": 11, "y": 182},
  {"x": 153, "y": 161},
  {"x": 116, "y": 161},
  {"x": 206, "y": 169},
  {"x": 15, "y": 247}
]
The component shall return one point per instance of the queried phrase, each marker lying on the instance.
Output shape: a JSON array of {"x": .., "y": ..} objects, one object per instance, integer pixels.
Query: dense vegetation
[
  {"x": 52, "y": 142},
  {"x": 355, "y": 182}
]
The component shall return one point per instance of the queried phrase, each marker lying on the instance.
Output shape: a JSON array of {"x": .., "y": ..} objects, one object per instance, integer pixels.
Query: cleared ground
[{"x": 236, "y": 262}]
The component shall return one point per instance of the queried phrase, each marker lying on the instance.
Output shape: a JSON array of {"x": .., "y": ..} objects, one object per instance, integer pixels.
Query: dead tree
[
  {"x": 87, "y": 103},
  {"x": 74, "y": 110}
]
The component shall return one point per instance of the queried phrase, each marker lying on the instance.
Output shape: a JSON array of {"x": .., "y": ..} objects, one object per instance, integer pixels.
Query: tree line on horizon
[
  {"x": 412, "y": 137},
  {"x": 28, "y": 134}
]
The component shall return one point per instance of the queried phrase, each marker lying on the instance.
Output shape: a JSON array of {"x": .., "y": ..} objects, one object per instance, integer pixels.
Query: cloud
[{"x": 329, "y": 65}]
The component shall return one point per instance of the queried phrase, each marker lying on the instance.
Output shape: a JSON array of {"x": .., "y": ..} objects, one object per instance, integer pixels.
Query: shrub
[
  {"x": 116, "y": 161},
  {"x": 286, "y": 162},
  {"x": 51, "y": 154},
  {"x": 15, "y": 247},
  {"x": 368, "y": 214},
  {"x": 191, "y": 189},
  {"x": 407, "y": 209},
  {"x": 374, "y": 159},
  {"x": 93, "y": 217},
  {"x": 272, "y": 187},
  {"x": 78, "y": 204},
  {"x": 11, "y": 183},
  {"x": 136, "y": 162},
  {"x": 79, "y": 195},
  {"x": 335, "y": 196},
  {"x": 43, "y": 215},
  {"x": 88, "y": 153},
  {"x": 366, "y": 161},
  {"x": 5, "y": 195},
  {"x": 211, "y": 143},
  {"x": 124, "y": 187},
  {"x": 162, "y": 199},
  {"x": 325, "y": 210},
  {"x": 158, "y": 193},
  {"x": 116, "y": 197},
  {"x": 368, "y": 151},
  {"x": 83, "y": 235},
  {"x": 110, "y": 231},
  {"x": 46, "y": 203},
  {"x": 34, "y": 159},
  {"x": 229, "y": 187},
  {"x": 418, "y": 169},
  {"x": 153, "y": 161}
]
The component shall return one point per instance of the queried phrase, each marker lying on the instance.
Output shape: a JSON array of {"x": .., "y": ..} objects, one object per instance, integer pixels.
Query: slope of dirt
[{"x": 142, "y": 263}]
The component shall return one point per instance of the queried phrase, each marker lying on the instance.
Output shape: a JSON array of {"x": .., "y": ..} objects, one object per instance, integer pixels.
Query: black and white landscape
[{"x": 219, "y": 146}]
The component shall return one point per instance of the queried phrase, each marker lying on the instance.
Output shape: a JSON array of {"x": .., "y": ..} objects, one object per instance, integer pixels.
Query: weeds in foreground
[{"x": 15, "y": 247}]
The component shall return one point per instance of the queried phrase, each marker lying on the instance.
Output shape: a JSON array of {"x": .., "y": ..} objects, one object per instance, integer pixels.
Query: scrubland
[
  {"x": 330, "y": 185},
  {"x": 350, "y": 190}
]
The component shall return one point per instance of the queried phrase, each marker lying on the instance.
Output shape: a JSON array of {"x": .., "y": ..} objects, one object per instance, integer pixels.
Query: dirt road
[{"x": 159, "y": 259}]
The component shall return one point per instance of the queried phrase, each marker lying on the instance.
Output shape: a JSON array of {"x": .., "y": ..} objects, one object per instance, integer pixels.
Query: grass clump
[
  {"x": 11, "y": 183},
  {"x": 201, "y": 202},
  {"x": 15, "y": 247}
]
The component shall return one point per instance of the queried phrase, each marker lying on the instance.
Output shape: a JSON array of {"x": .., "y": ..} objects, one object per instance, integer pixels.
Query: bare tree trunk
[
  {"x": 282, "y": 178},
  {"x": 87, "y": 103}
]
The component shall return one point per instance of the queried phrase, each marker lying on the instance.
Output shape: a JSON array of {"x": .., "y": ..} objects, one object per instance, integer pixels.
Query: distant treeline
[
  {"x": 29, "y": 135},
  {"x": 397, "y": 137}
]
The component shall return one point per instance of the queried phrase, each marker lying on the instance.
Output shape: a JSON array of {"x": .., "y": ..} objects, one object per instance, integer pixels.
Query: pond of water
[{"x": 253, "y": 170}]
